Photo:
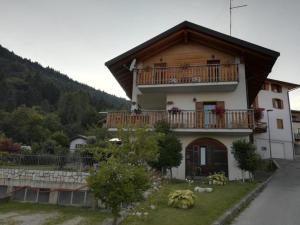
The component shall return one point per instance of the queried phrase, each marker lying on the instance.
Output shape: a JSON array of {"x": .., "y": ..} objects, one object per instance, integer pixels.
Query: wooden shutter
[
  {"x": 220, "y": 118},
  {"x": 199, "y": 115},
  {"x": 279, "y": 123}
]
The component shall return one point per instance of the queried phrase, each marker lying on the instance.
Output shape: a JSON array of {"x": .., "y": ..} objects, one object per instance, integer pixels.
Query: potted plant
[
  {"x": 219, "y": 110},
  {"x": 174, "y": 110}
]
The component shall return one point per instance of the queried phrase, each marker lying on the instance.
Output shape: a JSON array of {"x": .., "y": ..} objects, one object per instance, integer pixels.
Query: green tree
[
  {"x": 169, "y": 149},
  {"x": 245, "y": 154},
  {"x": 118, "y": 183},
  {"x": 60, "y": 138}
]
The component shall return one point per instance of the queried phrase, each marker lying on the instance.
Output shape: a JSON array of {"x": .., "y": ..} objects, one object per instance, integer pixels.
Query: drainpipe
[{"x": 293, "y": 139}]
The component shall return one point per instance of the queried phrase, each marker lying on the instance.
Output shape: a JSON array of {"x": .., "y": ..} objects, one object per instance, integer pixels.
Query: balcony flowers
[
  {"x": 219, "y": 111},
  {"x": 174, "y": 110}
]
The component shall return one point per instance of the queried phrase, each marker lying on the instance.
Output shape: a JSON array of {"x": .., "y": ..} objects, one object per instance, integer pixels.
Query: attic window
[{"x": 276, "y": 88}]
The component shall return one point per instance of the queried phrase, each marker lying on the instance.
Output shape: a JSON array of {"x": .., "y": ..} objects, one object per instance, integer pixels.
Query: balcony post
[{"x": 135, "y": 90}]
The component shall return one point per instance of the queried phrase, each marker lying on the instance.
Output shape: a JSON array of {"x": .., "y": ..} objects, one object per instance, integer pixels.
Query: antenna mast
[{"x": 230, "y": 10}]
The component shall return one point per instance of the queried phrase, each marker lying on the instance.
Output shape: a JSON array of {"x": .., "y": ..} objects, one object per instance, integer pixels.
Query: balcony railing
[
  {"x": 230, "y": 119},
  {"x": 188, "y": 74},
  {"x": 297, "y": 136}
]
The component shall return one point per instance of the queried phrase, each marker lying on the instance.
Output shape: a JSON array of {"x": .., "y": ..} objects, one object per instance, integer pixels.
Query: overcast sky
[{"x": 76, "y": 37}]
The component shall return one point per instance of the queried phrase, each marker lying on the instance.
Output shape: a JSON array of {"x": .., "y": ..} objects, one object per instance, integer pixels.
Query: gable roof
[
  {"x": 258, "y": 60},
  {"x": 290, "y": 86}
]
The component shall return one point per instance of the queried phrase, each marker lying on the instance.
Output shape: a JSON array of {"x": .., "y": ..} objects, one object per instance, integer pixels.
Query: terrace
[
  {"x": 208, "y": 77},
  {"x": 185, "y": 120}
]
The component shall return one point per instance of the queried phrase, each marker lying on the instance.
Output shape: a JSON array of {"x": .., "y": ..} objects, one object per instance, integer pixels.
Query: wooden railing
[
  {"x": 188, "y": 74},
  {"x": 230, "y": 119}
]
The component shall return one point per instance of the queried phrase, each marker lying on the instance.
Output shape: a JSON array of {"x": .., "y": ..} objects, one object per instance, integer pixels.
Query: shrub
[
  {"x": 182, "y": 199},
  {"x": 217, "y": 178}
]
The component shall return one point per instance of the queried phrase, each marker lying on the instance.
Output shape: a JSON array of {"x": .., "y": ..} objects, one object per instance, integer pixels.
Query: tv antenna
[{"x": 231, "y": 8}]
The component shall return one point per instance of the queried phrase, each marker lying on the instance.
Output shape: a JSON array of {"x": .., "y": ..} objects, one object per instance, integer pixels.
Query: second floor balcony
[
  {"x": 208, "y": 77},
  {"x": 185, "y": 121}
]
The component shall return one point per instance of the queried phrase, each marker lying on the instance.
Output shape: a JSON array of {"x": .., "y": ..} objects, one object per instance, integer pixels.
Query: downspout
[{"x": 293, "y": 140}]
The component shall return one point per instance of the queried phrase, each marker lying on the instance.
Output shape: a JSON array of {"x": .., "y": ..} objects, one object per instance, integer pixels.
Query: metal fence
[{"x": 47, "y": 162}]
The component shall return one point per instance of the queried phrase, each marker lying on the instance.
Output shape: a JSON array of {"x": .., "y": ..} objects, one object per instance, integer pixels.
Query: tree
[
  {"x": 245, "y": 154},
  {"x": 122, "y": 177},
  {"x": 169, "y": 149},
  {"x": 60, "y": 138},
  {"x": 118, "y": 183}
]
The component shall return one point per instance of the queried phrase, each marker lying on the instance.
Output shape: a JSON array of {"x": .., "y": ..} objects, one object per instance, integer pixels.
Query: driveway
[{"x": 279, "y": 203}]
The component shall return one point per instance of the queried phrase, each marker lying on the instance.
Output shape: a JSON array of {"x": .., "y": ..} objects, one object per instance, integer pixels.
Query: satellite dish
[{"x": 132, "y": 65}]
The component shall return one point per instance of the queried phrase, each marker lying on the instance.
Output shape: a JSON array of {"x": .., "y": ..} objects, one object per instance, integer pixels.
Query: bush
[
  {"x": 218, "y": 179},
  {"x": 182, "y": 199}
]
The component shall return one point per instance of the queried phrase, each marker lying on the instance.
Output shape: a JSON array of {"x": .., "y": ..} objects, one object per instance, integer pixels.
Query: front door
[
  {"x": 196, "y": 161},
  {"x": 213, "y": 70}
]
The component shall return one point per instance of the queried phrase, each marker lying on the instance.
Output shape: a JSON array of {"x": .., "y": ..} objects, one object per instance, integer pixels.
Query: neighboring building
[
  {"x": 274, "y": 96},
  {"x": 78, "y": 142},
  {"x": 296, "y": 130},
  {"x": 203, "y": 83}
]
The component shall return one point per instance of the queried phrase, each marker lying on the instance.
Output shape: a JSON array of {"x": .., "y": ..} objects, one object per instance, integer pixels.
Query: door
[
  {"x": 213, "y": 70},
  {"x": 209, "y": 116},
  {"x": 196, "y": 161},
  {"x": 277, "y": 150}
]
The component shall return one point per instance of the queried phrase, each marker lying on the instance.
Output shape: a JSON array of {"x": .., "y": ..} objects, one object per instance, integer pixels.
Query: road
[{"x": 279, "y": 203}]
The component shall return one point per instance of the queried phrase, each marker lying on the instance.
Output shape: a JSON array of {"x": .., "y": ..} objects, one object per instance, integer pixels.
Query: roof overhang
[
  {"x": 258, "y": 60},
  {"x": 288, "y": 85}
]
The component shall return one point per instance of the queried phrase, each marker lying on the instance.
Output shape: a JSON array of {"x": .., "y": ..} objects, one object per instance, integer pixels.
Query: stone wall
[{"x": 43, "y": 178}]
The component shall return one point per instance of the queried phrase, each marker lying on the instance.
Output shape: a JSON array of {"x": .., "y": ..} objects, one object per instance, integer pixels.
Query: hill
[
  {"x": 24, "y": 82},
  {"x": 39, "y": 104}
]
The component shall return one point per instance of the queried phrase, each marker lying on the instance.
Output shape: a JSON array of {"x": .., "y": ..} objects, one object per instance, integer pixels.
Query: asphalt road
[{"x": 279, "y": 203}]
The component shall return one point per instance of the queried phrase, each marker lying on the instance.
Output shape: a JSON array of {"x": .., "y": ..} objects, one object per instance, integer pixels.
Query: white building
[
  {"x": 273, "y": 98},
  {"x": 296, "y": 130},
  {"x": 78, "y": 142},
  {"x": 203, "y": 83}
]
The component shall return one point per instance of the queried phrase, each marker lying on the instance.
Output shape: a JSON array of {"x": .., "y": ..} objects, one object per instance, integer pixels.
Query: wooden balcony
[
  {"x": 183, "y": 120},
  {"x": 192, "y": 78}
]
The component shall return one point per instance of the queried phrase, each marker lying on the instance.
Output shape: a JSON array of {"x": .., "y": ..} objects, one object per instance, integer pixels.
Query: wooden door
[
  {"x": 199, "y": 115},
  {"x": 160, "y": 73}
]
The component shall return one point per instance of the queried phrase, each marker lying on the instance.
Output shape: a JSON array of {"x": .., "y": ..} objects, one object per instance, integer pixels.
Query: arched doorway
[{"x": 205, "y": 156}]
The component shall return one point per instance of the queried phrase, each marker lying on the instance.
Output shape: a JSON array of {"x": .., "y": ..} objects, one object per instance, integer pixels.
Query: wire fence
[{"x": 47, "y": 162}]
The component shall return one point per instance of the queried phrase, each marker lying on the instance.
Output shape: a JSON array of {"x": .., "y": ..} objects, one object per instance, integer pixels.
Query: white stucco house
[
  {"x": 296, "y": 130},
  {"x": 278, "y": 136},
  {"x": 203, "y": 83},
  {"x": 77, "y": 142}
]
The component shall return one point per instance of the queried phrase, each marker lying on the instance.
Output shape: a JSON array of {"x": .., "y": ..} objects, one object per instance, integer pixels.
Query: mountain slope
[{"x": 23, "y": 82}]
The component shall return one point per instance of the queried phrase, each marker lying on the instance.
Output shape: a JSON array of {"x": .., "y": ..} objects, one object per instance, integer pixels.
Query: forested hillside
[{"x": 37, "y": 103}]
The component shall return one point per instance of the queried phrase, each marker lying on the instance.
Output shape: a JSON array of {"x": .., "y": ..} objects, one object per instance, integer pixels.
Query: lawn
[
  {"x": 208, "y": 206},
  {"x": 41, "y": 214}
]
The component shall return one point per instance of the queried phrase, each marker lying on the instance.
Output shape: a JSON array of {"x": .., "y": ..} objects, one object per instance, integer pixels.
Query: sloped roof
[
  {"x": 290, "y": 86},
  {"x": 258, "y": 60}
]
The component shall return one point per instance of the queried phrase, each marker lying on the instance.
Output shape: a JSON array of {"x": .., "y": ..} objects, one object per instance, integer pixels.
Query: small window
[
  {"x": 277, "y": 103},
  {"x": 276, "y": 88},
  {"x": 279, "y": 123},
  {"x": 265, "y": 86}
]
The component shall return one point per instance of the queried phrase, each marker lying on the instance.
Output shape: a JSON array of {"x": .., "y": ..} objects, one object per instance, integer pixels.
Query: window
[
  {"x": 265, "y": 86},
  {"x": 277, "y": 103},
  {"x": 279, "y": 123},
  {"x": 276, "y": 88}
]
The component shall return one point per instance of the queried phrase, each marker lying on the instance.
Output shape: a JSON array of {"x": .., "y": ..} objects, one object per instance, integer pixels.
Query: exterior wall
[
  {"x": 75, "y": 142},
  {"x": 236, "y": 99},
  {"x": 234, "y": 172},
  {"x": 281, "y": 139}
]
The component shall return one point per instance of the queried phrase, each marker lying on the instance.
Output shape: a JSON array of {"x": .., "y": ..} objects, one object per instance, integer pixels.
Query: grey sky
[{"x": 76, "y": 37}]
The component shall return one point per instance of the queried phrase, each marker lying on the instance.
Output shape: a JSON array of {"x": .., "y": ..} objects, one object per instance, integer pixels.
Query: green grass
[
  {"x": 208, "y": 206},
  {"x": 90, "y": 216}
]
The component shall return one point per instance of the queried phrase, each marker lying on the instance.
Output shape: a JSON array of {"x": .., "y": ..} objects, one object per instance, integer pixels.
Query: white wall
[
  {"x": 234, "y": 172},
  {"x": 281, "y": 139}
]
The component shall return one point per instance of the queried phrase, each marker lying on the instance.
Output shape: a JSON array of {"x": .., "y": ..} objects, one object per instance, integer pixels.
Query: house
[
  {"x": 78, "y": 142},
  {"x": 296, "y": 130},
  {"x": 273, "y": 99},
  {"x": 203, "y": 83}
]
